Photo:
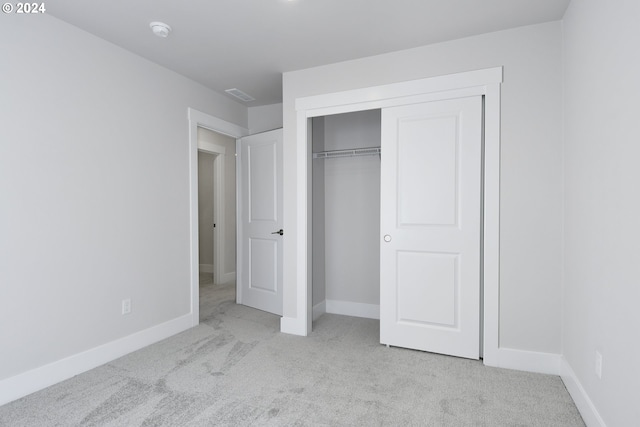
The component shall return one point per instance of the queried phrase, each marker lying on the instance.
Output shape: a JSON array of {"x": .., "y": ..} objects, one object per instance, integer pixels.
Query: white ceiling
[{"x": 248, "y": 44}]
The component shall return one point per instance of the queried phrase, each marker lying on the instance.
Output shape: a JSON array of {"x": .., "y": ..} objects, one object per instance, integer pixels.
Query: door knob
[
  {"x": 387, "y": 238},
  {"x": 280, "y": 232}
]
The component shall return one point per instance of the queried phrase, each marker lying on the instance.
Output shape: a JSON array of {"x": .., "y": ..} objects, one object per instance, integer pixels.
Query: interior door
[
  {"x": 431, "y": 226},
  {"x": 260, "y": 221}
]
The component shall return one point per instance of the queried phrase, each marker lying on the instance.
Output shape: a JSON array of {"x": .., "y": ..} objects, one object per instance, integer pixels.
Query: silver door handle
[{"x": 280, "y": 232}]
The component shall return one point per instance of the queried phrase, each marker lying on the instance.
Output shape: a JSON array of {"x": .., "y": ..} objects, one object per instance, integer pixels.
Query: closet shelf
[{"x": 347, "y": 153}]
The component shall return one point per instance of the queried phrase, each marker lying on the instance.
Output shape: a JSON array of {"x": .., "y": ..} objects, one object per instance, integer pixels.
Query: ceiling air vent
[{"x": 240, "y": 95}]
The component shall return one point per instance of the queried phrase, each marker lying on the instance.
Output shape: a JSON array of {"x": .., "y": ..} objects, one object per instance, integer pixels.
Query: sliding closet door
[{"x": 430, "y": 226}]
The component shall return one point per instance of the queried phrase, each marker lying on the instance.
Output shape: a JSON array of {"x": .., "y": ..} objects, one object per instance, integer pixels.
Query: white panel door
[
  {"x": 260, "y": 221},
  {"x": 430, "y": 226}
]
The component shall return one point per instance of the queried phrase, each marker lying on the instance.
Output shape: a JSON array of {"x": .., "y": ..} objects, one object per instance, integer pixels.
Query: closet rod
[{"x": 347, "y": 153}]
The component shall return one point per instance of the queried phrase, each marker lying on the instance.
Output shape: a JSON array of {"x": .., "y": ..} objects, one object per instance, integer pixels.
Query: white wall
[
  {"x": 531, "y": 205},
  {"x": 229, "y": 237},
  {"x": 602, "y": 205},
  {"x": 265, "y": 117},
  {"x": 94, "y": 187}
]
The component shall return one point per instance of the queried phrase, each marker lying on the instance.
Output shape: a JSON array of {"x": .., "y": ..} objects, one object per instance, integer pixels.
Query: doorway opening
[
  {"x": 217, "y": 138},
  {"x": 411, "y": 173},
  {"x": 346, "y": 214},
  {"x": 216, "y": 205},
  {"x": 207, "y": 232},
  {"x": 216, "y": 208}
]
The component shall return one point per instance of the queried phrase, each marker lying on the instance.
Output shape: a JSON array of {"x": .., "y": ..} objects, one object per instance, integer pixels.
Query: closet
[
  {"x": 438, "y": 230},
  {"x": 398, "y": 237},
  {"x": 346, "y": 214}
]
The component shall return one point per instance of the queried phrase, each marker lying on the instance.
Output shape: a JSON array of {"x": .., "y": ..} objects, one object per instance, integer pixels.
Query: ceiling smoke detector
[
  {"x": 160, "y": 29},
  {"x": 240, "y": 95}
]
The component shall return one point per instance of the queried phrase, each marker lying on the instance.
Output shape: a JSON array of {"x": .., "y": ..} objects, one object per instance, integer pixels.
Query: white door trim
[
  {"x": 200, "y": 119},
  {"x": 480, "y": 82}
]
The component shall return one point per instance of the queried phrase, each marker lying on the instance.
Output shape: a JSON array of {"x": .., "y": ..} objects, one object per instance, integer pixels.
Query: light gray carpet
[
  {"x": 206, "y": 279},
  {"x": 236, "y": 369}
]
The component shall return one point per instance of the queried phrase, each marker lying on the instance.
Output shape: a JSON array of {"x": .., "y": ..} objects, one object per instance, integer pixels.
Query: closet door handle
[
  {"x": 280, "y": 232},
  {"x": 387, "y": 238}
]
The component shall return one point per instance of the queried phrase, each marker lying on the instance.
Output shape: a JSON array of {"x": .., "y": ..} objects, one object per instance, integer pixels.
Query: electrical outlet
[
  {"x": 598, "y": 364},
  {"x": 126, "y": 306}
]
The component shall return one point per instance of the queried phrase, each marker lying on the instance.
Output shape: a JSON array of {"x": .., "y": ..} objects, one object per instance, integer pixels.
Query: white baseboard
[
  {"x": 36, "y": 379},
  {"x": 229, "y": 277},
  {"x": 319, "y": 310},
  {"x": 226, "y": 277},
  {"x": 522, "y": 360},
  {"x": 292, "y": 325},
  {"x": 206, "y": 268},
  {"x": 355, "y": 309},
  {"x": 586, "y": 407}
]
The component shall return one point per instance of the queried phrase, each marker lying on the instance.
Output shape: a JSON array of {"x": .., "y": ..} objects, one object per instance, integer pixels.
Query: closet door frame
[{"x": 486, "y": 83}]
